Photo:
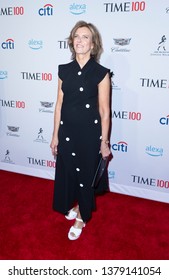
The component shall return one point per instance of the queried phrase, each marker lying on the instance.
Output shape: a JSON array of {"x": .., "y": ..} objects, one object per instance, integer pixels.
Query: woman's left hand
[{"x": 105, "y": 149}]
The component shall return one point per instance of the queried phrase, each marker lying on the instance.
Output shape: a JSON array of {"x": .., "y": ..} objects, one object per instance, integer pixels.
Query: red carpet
[{"x": 122, "y": 228}]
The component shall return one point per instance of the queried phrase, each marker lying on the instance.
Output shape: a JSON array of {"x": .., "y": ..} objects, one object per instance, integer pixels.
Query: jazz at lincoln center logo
[{"x": 161, "y": 49}]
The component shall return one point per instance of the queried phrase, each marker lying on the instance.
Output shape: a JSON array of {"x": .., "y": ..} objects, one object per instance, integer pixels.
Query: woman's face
[{"x": 82, "y": 41}]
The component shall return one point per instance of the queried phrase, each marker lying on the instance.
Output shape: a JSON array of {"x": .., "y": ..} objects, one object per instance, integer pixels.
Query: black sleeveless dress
[{"x": 79, "y": 138}]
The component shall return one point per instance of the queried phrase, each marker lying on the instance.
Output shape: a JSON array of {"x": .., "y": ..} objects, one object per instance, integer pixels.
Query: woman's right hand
[{"x": 53, "y": 146}]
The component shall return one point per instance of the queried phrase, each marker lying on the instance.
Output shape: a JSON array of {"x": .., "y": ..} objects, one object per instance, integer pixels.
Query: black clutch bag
[{"x": 99, "y": 171}]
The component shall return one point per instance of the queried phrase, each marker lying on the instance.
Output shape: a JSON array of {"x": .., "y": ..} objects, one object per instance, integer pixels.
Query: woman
[{"x": 81, "y": 126}]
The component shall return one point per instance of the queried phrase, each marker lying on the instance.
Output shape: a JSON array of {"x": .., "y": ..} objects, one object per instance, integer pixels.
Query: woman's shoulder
[
  {"x": 66, "y": 65},
  {"x": 63, "y": 69},
  {"x": 100, "y": 71},
  {"x": 100, "y": 67}
]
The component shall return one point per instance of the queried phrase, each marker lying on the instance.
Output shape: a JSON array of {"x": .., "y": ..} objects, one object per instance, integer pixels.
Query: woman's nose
[{"x": 79, "y": 39}]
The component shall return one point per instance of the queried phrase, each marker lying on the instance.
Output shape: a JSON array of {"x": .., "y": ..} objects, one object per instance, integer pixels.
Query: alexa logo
[
  {"x": 35, "y": 44},
  {"x": 47, "y": 10},
  {"x": 154, "y": 151},
  {"x": 3, "y": 74},
  {"x": 77, "y": 9},
  {"x": 9, "y": 44}
]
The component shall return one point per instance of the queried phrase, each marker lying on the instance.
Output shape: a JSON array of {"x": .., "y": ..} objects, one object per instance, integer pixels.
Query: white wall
[{"x": 33, "y": 43}]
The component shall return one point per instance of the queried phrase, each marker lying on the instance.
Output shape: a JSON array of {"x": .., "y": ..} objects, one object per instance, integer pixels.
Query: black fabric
[{"x": 79, "y": 138}]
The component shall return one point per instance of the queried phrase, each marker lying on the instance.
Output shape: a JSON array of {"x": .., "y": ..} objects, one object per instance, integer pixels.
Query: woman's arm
[
  {"x": 57, "y": 114},
  {"x": 104, "y": 109}
]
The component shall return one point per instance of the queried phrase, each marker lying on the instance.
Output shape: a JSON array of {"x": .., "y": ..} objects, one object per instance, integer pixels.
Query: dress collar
[{"x": 86, "y": 65}]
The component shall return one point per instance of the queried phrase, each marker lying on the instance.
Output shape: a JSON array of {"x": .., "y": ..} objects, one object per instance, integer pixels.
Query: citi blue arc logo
[
  {"x": 165, "y": 120},
  {"x": 3, "y": 74},
  {"x": 47, "y": 10},
  {"x": 121, "y": 146},
  {"x": 154, "y": 151},
  {"x": 77, "y": 9},
  {"x": 8, "y": 44}
]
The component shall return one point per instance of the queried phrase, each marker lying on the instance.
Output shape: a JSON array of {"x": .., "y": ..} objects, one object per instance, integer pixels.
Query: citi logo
[
  {"x": 12, "y": 104},
  {"x": 165, "y": 120},
  {"x": 12, "y": 11},
  {"x": 36, "y": 76},
  {"x": 41, "y": 162},
  {"x": 3, "y": 75},
  {"x": 127, "y": 115},
  {"x": 77, "y": 9},
  {"x": 154, "y": 151},
  {"x": 63, "y": 44},
  {"x": 8, "y": 44},
  {"x": 47, "y": 10},
  {"x": 151, "y": 83},
  {"x": 35, "y": 44},
  {"x": 124, "y": 7},
  {"x": 121, "y": 146}
]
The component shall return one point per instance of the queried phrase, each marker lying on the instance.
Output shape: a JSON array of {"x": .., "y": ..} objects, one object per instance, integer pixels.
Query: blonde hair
[{"x": 96, "y": 39}]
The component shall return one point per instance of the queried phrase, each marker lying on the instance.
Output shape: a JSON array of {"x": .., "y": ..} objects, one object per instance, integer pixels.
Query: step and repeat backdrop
[{"x": 135, "y": 34}]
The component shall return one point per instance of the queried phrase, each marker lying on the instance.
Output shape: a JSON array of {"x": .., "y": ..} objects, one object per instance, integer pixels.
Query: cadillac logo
[
  {"x": 122, "y": 41},
  {"x": 46, "y": 104},
  {"x": 13, "y": 128}
]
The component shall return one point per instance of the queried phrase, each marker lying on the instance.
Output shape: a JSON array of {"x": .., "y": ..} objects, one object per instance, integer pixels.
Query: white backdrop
[{"x": 136, "y": 49}]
